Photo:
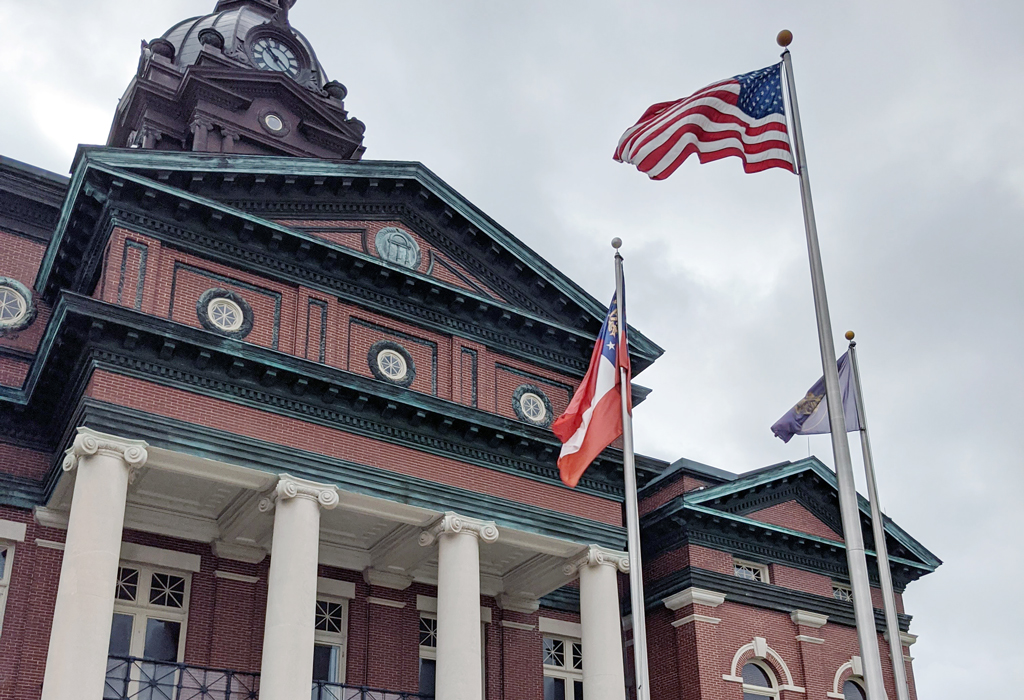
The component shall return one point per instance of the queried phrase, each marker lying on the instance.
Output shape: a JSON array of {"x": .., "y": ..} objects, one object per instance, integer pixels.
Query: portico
[{"x": 245, "y": 513}]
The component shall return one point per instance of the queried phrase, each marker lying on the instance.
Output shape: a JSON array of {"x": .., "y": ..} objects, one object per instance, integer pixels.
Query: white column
[
  {"x": 287, "y": 667},
  {"x": 76, "y": 662},
  {"x": 459, "y": 671},
  {"x": 603, "y": 675}
]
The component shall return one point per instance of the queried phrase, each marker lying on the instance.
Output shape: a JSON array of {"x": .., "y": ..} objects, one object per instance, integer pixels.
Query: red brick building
[{"x": 274, "y": 415}]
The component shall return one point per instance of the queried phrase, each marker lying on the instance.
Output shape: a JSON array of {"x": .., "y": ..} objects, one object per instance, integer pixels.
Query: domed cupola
[{"x": 239, "y": 80}]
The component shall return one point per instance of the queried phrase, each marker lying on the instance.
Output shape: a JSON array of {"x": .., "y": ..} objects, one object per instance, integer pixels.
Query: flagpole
[
  {"x": 636, "y": 578},
  {"x": 878, "y": 528},
  {"x": 864, "y": 612}
]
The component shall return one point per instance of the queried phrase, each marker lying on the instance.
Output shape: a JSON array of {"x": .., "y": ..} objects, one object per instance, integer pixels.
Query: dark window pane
[
  {"x": 577, "y": 690},
  {"x": 121, "y": 634},
  {"x": 162, "y": 640},
  {"x": 755, "y": 675},
  {"x": 428, "y": 667},
  {"x": 554, "y": 689},
  {"x": 852, "y": 691},
  {"x": 323, "y": 655},
  {"x": 3, "y": 562}
]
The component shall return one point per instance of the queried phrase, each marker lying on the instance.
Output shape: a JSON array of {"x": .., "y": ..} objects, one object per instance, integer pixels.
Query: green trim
[{"x": 811, "y": 464}]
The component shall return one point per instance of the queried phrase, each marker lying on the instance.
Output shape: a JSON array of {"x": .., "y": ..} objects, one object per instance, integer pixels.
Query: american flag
[{"x": 743, "y": 116}]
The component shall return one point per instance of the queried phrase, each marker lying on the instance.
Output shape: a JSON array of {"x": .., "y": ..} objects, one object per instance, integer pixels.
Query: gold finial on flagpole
[
  {"x": 785, "y": 38},
  {"x": 616, "y": 243},
  {"x": 849, "y": 335}
]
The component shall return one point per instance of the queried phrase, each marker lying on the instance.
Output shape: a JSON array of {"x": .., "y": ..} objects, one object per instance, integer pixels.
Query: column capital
[
  {"x": 595, "y": 555},
  {"x": 453, "y": 524},
  {"x": 288, "y": 486},
  {"x": 89, "y": 442}
]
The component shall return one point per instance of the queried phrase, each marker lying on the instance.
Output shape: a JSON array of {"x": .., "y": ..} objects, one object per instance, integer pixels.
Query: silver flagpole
[
  {"x": 636, "y": 577},
  {"x": 899, "y": 668},
  {"x": 864, "y": 612}
]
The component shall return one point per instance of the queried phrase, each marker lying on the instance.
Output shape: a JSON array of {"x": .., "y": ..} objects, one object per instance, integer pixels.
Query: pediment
[
  {"x": 803, "y": 497},
  {"x": 483, "y": 272}
]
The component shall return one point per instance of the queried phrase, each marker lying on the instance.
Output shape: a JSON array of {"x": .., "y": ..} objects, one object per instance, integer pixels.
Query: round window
[
  {"x": 392, "y": 365},
  {"x": 273, "y": 122},
  {"x": 532, "y": 405},
  {"x": 13, "y": 306},
  {"x": 16, "y": 308},
  {"x": 225, "y": 314}
]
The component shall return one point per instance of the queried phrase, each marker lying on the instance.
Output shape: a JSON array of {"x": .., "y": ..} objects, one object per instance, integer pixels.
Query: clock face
[{"x": 271, "y": 54}]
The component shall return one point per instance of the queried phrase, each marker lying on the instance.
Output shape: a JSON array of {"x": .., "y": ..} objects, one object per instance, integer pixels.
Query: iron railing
[
  {"x": 130, "y": 678},
  {"x": 323, "y": 690}
]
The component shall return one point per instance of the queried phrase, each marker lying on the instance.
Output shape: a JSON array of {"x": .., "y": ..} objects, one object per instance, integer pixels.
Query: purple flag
[{"x": 810, "y": 415}]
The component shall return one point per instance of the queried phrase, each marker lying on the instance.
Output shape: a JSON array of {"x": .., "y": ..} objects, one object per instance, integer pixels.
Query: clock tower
[{"x": 240, "y": 80}]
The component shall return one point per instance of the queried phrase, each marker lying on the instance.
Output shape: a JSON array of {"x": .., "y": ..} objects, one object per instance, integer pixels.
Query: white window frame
[
  {"x": 760, "y": 691},
  {"x": 742, "y": 563},
  {"x": 5, "y": 580},
  {"x": 568, "y": 672},
  {"x": 336, "y": 639},
  {"x": 842, "y": 587},
  {"x": 142, "y": 609}
]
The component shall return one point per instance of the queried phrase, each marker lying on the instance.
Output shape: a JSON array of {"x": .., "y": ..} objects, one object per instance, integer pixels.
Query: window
[
  {"x": 16, "y": 308},
  {"x": 841, "y": 592},
  {"x": 428, "y": 654},
  {"x": 750, "y": 571},
  {"x": 225, "y": 314},
  {"x": 532, "y": 405},
  {"x": 563, "y": 669},
  {"x": 150, "y": 616},
  {"x": 759, "y": 682},
  {"x": 330, "y": 643},
  {"x": 852, "y": 690},
  {"x": 6, "y": 560},
  {"x": 390, "y": 362}
]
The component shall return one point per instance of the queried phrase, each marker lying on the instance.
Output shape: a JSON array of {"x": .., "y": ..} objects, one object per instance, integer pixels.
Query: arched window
[
  {"x": 853, "y": 690},
  {"x": 759, "y": 682}
]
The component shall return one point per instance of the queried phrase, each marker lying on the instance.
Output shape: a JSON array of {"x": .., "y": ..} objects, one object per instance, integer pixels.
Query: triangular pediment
[
  {"x": 804, "y": 497},
  {"x": 475, "y": 271}
]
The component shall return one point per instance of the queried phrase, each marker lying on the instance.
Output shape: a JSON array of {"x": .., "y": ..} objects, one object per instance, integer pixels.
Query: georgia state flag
[{"x": 594, "y": 417}]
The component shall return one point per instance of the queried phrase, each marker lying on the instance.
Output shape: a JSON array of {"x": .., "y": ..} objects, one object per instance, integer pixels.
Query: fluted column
[
  {"x": 76, "y": 662},
  {"x": 603, "y": 675},
  {"x": 287, "y": 667},
  {"x": 458, "y": 604}
]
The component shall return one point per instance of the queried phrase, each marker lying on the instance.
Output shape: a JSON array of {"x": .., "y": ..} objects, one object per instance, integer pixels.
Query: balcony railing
[{"x": 130, "y": 678}]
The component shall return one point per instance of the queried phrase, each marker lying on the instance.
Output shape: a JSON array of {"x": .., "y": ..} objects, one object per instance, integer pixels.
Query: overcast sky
[{"x": 912, "y": 119}]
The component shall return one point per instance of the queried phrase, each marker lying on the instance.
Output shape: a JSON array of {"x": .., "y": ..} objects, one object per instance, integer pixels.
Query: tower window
[
  {"x": 532, "y": 405},
  {"x": 16, "y": 309},
  {"x": 750, "y": 571}
]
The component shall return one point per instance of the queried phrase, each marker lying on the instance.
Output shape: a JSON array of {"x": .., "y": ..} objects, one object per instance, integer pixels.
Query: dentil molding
[
  {"x": 326, "y": 495},
  {"x": 454, "y": 524},
  {"x": 88, "y": 443},
  {"x": 596, "y": 555}
]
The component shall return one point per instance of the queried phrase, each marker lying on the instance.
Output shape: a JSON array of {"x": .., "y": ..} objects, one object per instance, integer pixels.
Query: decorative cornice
[
  {"x": 89, "y": 442},
  {"x": 520, "y": 604},
  {"x": 386, "y": 579},
  {"x": 595, "y": 555},
  {"x": 288, "y": 486},
  {"x": 454, "y": 524}
]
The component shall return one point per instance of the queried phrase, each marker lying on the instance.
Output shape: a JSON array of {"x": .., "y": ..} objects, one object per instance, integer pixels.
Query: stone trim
[
  {"x": 386, "y": 579},
  {"x": 808, "y": 619},
  {"x": 694, "y": 596},
  {"x": 561, "y": 628},
  {"x": 336, "y": 588},
  {"x": 385, "y": 602},
  {"x": 12, "y": 531},
  {"x": 696, "y": 618},
  {"x": 454, "y": 524},
  {"x": 231, "y": 576},
  {"x": 517, "y": 626},
  {"x": 595, "y": 555},
  {"x": 518, "y": 603},
  {"x": 428, "y": 604},
  {"x": 165, "y": 558},
  {"x": 809, "y": 640}
]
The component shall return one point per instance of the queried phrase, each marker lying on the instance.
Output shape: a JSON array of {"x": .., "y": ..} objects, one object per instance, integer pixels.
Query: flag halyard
[
  {"x": 593, "y": 419},
  {"x": 743, "y": 116}
]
